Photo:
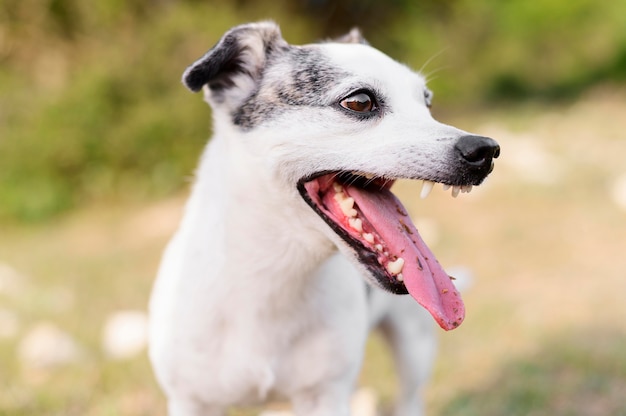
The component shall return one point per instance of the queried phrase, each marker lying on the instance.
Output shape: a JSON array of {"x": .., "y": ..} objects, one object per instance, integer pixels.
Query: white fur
[{"x": 252, "y": 299}]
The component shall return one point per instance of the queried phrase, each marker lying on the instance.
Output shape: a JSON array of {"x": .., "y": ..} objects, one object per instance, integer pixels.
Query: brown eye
[{"x": 360, "y": 102}]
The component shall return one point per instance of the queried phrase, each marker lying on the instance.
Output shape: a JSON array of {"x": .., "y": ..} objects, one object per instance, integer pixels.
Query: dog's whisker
[
  {"x": 429, "y": 77},
  {"x": 432, "y": 58},
  {"x": 371, "y": 180}
]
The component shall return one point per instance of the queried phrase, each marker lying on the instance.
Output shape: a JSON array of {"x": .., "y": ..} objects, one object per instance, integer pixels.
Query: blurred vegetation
[{"x": 91, "y": 108}]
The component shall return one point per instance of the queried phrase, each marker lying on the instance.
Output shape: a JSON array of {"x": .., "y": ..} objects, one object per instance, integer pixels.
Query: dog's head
[{"x": 339, "y": 122}]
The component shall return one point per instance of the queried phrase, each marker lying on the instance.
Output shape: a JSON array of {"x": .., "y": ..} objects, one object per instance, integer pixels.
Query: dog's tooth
[
  {"x": 369, "y": 237},
  {"x": 356, "y": 224},
  {"x": 346, "y": 204},
  {"x": 466, "y": 189},
  {"x": 379, "y": 247},
  {"x": 395, "y": 267},
  {"x": 455, "y": 191},
  {"x": 369, "y": 176},
  {"x": 400, "y": 277},
  {"x": 337, "y": 187},
  {"x": 446, "y": 187},
  {"x": 426, "y": 188}
]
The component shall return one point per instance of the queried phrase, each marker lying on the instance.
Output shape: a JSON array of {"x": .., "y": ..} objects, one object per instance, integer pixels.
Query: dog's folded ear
[
  {"x": 238, "y": 57},
  {"x": 353, "y": 36}
]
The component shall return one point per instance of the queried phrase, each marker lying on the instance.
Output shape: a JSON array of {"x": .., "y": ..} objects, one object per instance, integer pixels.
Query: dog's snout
[{"x": 477, "y": 151}]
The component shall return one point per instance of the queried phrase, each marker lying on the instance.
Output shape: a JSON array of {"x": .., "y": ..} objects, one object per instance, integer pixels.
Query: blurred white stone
[
  {"x": 45, "y": 346},
  {"x": 9, "y": 324},
  {"x": 364, "y": 402},
  {"x": 618, "y": 191},
  {"x": 125, "y": 334}
]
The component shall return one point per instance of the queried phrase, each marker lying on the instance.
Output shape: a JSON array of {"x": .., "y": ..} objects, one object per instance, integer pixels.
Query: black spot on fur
[
  {"x": 216, "y": 68},
  {"x": 222, "y": 63}
]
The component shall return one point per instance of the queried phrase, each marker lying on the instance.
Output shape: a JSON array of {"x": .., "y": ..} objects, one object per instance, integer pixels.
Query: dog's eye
[{"x": 361, "y": 102}]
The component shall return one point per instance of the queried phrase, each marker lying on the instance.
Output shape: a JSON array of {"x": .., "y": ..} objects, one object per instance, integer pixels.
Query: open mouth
[{"x": 374, "y": 223}]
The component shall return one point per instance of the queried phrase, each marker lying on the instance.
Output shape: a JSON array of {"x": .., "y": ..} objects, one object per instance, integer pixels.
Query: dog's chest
[{"x": 253, "y": 354}]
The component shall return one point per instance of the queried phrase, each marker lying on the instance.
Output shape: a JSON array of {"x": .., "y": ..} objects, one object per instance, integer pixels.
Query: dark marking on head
[
  {"x": 243, "y": 50},
  {"x": 217, "y": 67},
  {"x": 307, "y": 83},
  {"x": 257, "y": 75}
]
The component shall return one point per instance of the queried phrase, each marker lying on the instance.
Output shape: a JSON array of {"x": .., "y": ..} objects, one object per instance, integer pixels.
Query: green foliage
[{"x": 91, "y": 107}]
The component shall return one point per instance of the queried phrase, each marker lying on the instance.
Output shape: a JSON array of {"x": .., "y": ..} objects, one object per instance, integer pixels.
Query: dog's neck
[{"x": 246, "y": 223}]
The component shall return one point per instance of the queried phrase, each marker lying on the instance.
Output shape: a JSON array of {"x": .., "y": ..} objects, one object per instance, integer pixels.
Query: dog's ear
[
  {"x": 353, "y": 36},
  {"x": 238, "y": 57}
]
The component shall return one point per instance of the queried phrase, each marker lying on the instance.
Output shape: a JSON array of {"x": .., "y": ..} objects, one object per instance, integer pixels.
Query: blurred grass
[
  {"x": 97, "y": 139},
  {"x": 91, "y": 107}
]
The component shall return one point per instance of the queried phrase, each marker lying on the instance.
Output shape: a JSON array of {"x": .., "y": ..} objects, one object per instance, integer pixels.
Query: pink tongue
[{"x": 424, "y": 277}]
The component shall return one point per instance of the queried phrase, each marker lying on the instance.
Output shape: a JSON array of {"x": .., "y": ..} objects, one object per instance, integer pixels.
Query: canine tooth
[
  {"x": 337, "y": 187},
  {"x": 455, "y": 191},
  {"x": 426, "y": 188},
  {"x": 356, "y": 223},
  {"x": 346, "y": 204},
  {"x": 379, "y": 247},
  {"x": 369, "y": 237},
  {"x": 395, "y": 267}
]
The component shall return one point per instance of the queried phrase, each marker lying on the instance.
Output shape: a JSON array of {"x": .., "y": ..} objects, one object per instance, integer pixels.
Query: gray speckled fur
[{"x": 306, "y": 83}]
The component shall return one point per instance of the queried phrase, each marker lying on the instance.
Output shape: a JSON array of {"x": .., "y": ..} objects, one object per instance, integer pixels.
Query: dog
[{"x": 261, "y": 292}]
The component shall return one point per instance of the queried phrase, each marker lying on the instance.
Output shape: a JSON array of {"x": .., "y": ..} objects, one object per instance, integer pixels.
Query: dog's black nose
[{"x": 477, "y": 151}]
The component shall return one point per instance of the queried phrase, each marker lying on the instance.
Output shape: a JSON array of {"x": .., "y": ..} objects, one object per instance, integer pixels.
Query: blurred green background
[
  {"x": 91, "y": 107},
  {"x": 99, "y": 141}
]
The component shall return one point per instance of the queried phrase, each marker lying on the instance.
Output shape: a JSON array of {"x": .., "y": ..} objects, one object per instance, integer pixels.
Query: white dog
[{"x": 252, "y": 299}]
